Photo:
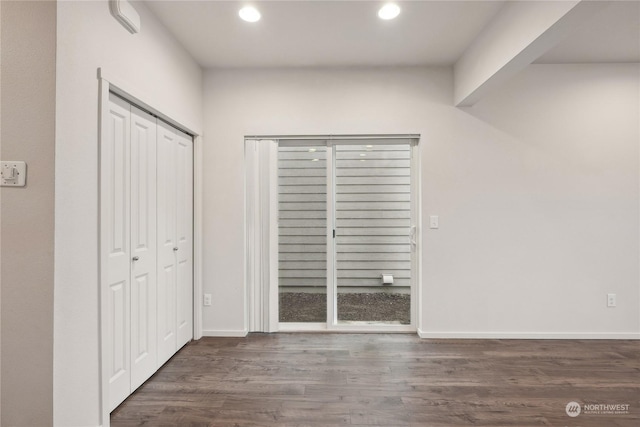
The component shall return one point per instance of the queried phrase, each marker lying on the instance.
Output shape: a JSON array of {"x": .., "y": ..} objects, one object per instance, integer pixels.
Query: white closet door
[
  {"x": 143, "y": 247},
  {"x": 184, "y": 229},
  {"x": 167, "y": 179},
  {"x": 146, "y": 244},
  {"x": 115, "y": 184}
]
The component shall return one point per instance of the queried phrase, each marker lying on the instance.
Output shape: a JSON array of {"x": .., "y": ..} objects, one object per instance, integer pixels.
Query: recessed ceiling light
[
  {"x": 362, "y": 155},
  {"x": 312, "y": 150},
  {"x": 249, "y": 14},
  {"x": 389, "y": 11},
  {"x": 314, "y": 160}
]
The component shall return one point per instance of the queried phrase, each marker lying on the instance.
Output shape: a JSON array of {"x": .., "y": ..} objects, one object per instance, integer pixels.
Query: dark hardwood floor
[{"x": 388, "y": 380}]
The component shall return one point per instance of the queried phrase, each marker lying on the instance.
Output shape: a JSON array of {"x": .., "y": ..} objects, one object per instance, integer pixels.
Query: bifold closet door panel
[
  {"x": 143, "y": 247},
  {"x": 167, "y": 180},
  {"x": 146, "y": 201},
  {"x": 115, "y": 185},
  {"x": 184, "y": 237}
]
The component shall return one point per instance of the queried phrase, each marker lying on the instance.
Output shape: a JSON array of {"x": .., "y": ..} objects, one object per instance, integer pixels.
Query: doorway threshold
[{"x": 347, "y": 327}]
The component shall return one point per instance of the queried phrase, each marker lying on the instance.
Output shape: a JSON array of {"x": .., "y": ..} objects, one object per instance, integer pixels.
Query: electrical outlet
[
  {"x": 611, "y": 300},
  {"x": 207, "y": 299}
]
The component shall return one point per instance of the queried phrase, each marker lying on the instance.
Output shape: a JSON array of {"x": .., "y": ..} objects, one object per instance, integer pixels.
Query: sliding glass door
[
  {"x": 373, "y": 227},
  {"x": 346, "y": 241},
  {"x": 302, "y": 233}
]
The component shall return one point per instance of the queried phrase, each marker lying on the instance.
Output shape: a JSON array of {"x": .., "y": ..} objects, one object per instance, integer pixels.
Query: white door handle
[{"x": 413, "y": 236}]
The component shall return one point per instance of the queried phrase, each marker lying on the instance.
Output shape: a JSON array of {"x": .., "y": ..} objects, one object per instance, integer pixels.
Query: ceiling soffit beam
[{"x": 519, "y": 34}]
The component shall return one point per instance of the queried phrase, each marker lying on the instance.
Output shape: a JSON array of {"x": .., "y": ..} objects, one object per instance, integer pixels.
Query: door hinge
[{"x": 334, "y": 233}]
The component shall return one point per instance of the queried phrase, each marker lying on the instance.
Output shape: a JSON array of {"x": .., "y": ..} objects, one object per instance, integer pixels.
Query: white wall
[
  {"x": 167, "y": 79},
  {"x": 239, "y": 103},
  {"x": 518, "y": 34},
  {"x": 539, "y": 203},
  {"x": 536, "y": 188}
]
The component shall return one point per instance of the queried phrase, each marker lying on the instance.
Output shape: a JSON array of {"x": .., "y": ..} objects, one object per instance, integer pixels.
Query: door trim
[{"x": 110, "y": 83}]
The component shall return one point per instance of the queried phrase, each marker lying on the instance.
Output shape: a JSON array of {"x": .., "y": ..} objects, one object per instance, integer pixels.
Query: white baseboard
[
  {"x": 222, "y": 333},
  {"x": 473, "y": 335},
  {"x": 533, "y": 335}
]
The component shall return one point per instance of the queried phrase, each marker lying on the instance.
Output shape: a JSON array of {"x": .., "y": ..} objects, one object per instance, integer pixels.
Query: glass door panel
[
  {"x": 302, "y": 230},
  {"x": 373, "y": 226}
]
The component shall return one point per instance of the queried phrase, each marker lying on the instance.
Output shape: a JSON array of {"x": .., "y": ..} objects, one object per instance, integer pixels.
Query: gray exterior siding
[
  {"x": 302, "y": 205},
  {"x": 373, "y": 215}
]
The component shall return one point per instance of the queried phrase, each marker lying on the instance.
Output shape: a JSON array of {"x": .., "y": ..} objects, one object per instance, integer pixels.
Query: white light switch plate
[
  {"x": 433, "y": 221},
  {"x": 13, "y": 173}
]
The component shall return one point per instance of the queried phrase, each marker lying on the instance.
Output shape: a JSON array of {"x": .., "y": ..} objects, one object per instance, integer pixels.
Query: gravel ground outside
[{"x": 368, "y": 307}]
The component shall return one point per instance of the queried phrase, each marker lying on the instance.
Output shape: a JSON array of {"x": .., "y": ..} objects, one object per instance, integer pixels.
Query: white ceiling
[
  {"x": 325, "y": 33},
  {"x": 335, "y": 33},
  {"x": 613, "y": 35}
]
